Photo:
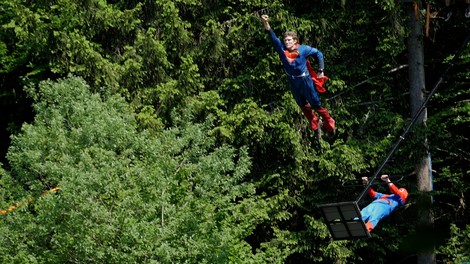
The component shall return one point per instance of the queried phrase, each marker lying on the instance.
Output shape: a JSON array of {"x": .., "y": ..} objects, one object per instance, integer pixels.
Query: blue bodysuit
[
  {"x": 302, "y": 86},
  {"x": 383, "y": 205}
]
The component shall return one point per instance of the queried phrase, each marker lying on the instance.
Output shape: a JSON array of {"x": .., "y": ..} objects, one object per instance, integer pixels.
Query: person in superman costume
[
  {"x": 304, "y": 82},
  {"x": 383, "y": 204}
]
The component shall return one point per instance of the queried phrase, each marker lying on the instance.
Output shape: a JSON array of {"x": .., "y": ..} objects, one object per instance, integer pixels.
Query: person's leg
[
  {"x": 303, "y": 104},
  {"x": 309, "y": 91},
  {"x": 297, "y": 92},
  {"x": 312, "y": 97},
  {"x": 311, "y": 117},
  {"x": 366, "y": 213},
  {"x": 376, "y": 212},
  {"x": 369, "y": 226},
  {"x": 328, "y": 121}
]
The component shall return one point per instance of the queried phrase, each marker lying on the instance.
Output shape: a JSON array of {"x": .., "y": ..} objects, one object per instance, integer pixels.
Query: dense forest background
[{"x": 171, "y": 132}]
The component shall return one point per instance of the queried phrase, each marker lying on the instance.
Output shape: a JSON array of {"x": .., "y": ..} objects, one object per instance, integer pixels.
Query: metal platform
[{"x": 344, "y": 220}]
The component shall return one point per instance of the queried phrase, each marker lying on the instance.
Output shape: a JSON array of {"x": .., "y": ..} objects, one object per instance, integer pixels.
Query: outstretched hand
[
  {"x": 264, "y": 19},
  {"x": 365, "y": 180},
  {"x": 385, "y": 178}
]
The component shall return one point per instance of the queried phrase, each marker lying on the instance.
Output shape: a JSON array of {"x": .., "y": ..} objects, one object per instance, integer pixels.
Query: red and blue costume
[
  {"x": 383, "y": 205},
  {"x": 303, "y": 81}
]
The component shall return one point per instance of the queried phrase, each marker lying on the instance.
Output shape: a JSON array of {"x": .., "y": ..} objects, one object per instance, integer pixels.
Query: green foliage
[
  {"x": 456, "y": 250},
  {"x": 156, "y": 179},
  {"x": 125, "y": 196}
]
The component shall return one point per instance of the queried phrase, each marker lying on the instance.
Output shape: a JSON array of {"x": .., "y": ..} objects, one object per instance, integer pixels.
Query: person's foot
[
  {"x": 467, "y": 11},
  {"x": 329, "y": 127},
  {"x": 447, "y": 14},
  {"x": 314, "y": 123}
]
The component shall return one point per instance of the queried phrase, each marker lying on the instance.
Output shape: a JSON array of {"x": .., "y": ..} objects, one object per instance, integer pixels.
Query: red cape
[{"x": 318, "y": 82}]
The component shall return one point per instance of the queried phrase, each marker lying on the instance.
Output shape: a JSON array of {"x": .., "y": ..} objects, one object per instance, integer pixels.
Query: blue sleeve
[
  {"x": 310, "y": 51},
  {"x": 378, "y": 195},
  {"x": 278, "y": 46}
]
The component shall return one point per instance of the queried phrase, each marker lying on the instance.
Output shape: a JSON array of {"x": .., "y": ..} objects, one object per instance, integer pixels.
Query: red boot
[
  {"x": 328, "y": 121},
  {"x": 311, "y": 117},
  {"x": 369, "y": 226}
]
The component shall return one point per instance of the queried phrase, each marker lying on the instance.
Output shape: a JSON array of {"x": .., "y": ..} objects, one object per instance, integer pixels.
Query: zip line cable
[{"x": 415, "y": 117}]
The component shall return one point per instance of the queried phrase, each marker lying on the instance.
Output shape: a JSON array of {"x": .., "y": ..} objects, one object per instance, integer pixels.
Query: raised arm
[
  {"x": 394, "y": 189},
  {"x": 391, "y": 186},
  {"x": 277, "y": 44},
  {"x": 265, "y": 19},
  {"x": 372, "y": 193}
]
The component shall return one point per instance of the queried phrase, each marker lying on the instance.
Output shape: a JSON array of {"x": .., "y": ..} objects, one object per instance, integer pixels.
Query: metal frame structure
[{"x": 344, "y": 220}]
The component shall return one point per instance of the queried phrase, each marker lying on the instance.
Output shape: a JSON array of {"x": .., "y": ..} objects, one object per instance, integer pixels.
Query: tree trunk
[{"x": 417, "y": 92}]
